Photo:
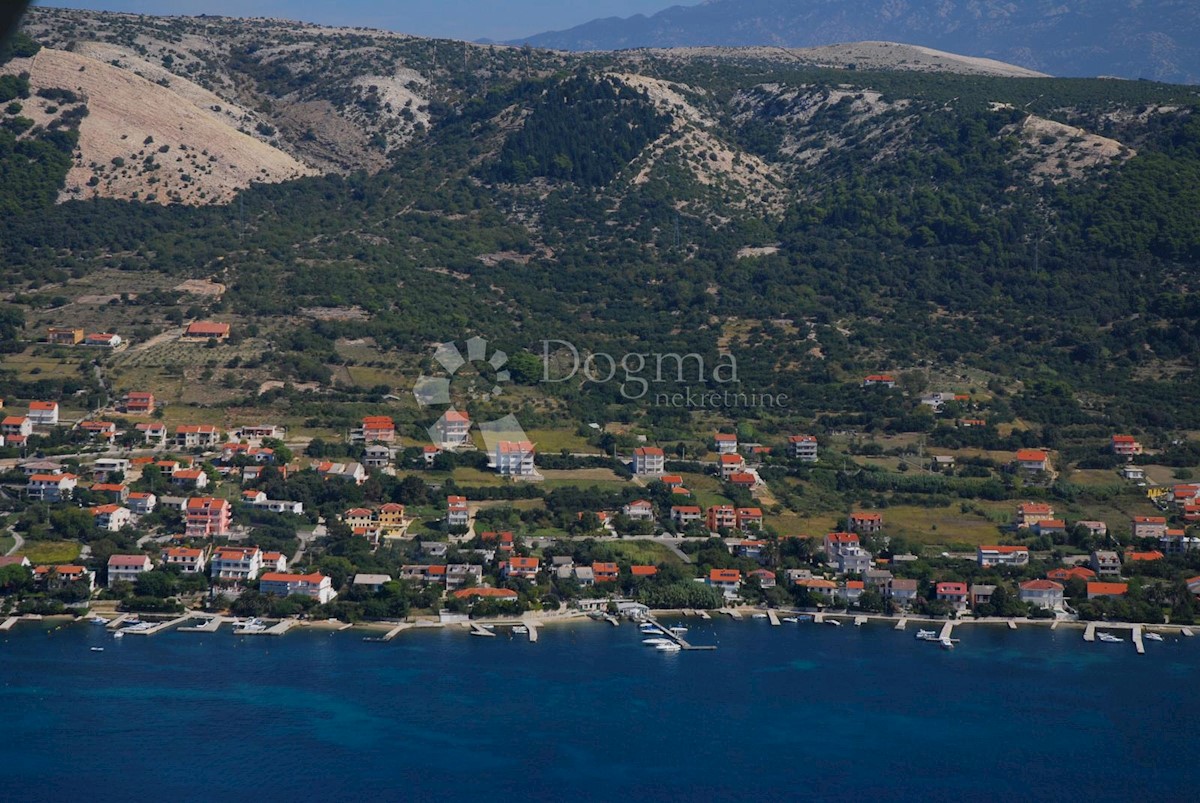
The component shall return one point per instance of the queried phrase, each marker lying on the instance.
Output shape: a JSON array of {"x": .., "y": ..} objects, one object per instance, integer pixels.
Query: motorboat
[
  {"x": 1153, "y": 637},
  {"x": 759, "y": 616},
  {"x": 97, "y": 649},
  {"x": 927, "y": 635},
  {"x": 678, "y": 629},
  {"x": 946, "y": 643},
  {"x": 1108, "y": 638},
  {"x": 833, "y": 622},
  {"x": 791, "y": 620},
  {"x": 654, "y": 642},
  {"x": 98, "y": 620},
  {"x": 118, "y": 634},
  {"x": 668, "y": 647},
  {"x": 521, "y": 629},
  {"x": 647, "y": 627}
]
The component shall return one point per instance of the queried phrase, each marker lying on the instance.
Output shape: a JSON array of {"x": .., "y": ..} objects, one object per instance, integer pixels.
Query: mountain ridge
[{"x": 1121, "y": 38}]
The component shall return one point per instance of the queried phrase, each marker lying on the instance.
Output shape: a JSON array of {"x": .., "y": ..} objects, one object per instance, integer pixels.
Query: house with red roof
[
  {"x": 315, "y": 585},
  {"x": 639, "y": 570},
  {"x": 1095, "y": 590},
  {"x": 53, "y": 578},
  {"x": 683, "y": 515},
  {"x": 141, "y": 503},
  {"x": 672, "y": 480},
  {"x": 111, "y": 517},
  {"x": 721, "y": 516},
  {"x": 138, "y": 403},
  {"x": 649, "y": 461},
  {"x": 499, "y": 594},
  {"x": 206, "y": 517},
  {"x": 195, "y": 479},
  {"x": 457, "y": 513},
  {"x": 605, "y": 572},
  {"x": 197, "y": 436},
  {"x": 126, "y": 568},
  {"x": 43, "y": 413},
  {"x": 1030, "y": 513},
  {"x": 731, "y": 464},
  {"x": 743, "y": 479},
  {"x": 51, "y": 487},
  {"x": 374, "y": 429},
  {"x": 1149, "y": 527},
  {"x": 189, "y": 561},
  {"x": 866, "y": 523},
  {"x": 102, "y": 430},
  {"x": 522, "y": 568},
  {"x": 727, "y": 581},
  {"x": 114, "y": 491},
  {"x": 1042, "y": 593},
  {"x": 953, "y": 593},
  {"x": 639, "y": 510},
  {"x": 1062, "y": 575},
  {"x": 1152, "y": 555},
  {"x": 837, "y": 543},
  {"x": 206, "y": 330},
  {"x": 1002, "y": 556},
  {"x": 749, "y": 518},
  {"x": 452, "y": 430},
  {"x": 803, "y": 447},
  {"x": 725, "y": 443},
  {"x": 765, "y": 577},
  {"x": 879, "y": 380},
  {"x": 1126, "y": 446},
  {"x": 1033, "y": 460},
  {"x": 237, "y": 563},
  {"x": 19, "y": 426}
]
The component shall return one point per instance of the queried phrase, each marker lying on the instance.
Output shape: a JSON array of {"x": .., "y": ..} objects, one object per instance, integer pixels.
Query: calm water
[{"x": 588, "y": 713}]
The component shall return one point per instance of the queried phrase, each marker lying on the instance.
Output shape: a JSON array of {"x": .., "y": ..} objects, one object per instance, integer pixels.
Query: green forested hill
[{"x": 1044, "y": 232}]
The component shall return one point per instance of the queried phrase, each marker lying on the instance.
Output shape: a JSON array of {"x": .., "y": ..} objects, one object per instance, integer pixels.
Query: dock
[
  {"x": 158, "y": 628},
  {"x": 819, "y": 617},
  {"x": 479, "y": 630},
  {"x": 704, "y": 615},
  {"x": 279, "y": 628},
  {"x": 675, "y": 637},
  {"x": 1137, "y": 640},
  {"x": 1089, "y": 632},
  {"x": 1054, "y": 625},
  {"x": 612, "y": 620},
  {"x": 947, "y": 630},
  {"x": 773, "y": 617},
  {"x": 9, "y": 622},
  {"x": 903, "y": 623},
  {"x": 732, "y": 613},
  {"x": 532, "y": 630},
  {"x": 859, "y": 621},
  {"x": 395, "y": 631},
  {"x": 113, "y": 624},
  {"x": 1187, "y": 631},
  {"x": 1012, "y": 625},
  {"x": 211, "y": 626}
]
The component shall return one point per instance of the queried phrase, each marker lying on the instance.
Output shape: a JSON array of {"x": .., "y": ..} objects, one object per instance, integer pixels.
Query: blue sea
[{"x": 588, "y": 713}]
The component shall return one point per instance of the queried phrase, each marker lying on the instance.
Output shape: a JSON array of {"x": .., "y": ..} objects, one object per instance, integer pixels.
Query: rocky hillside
[{"x": 1154, "y": 39}]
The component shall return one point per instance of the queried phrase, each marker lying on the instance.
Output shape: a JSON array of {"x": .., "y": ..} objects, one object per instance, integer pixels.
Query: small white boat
[
  {"x": 791, "y": 620},
  {"x": 927, "y": 635},
  {"x": 833, "y": 622},
  {"x": 654, "y": 642},
  {"x": 646, "y": 627},
  {"x": 1153, "y": 637},
  {"x": 1108, "y": 638},
  {"x": 759, "y": 616},
  {"x": 669, "y": 647},
  {"x": 118, "y": 634},
  {"x": 679, "y": 629},
  {"x": 98, "y": 620},
  {"x": 946, "y": 643},
  {"x": 521, "y": 629},
  {"x": 489, "y": 627},
  {"x": 97, "y": 649}
]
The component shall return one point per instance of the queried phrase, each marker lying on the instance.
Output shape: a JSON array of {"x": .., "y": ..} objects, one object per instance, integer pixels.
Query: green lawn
[
  {"x": 553, "y": 441},
  {"x": 50, "y": 551},
  {"x": 940, "y": 525},
  {"x": 6, "y": 543},
  {"x": 645, "y": 552}
]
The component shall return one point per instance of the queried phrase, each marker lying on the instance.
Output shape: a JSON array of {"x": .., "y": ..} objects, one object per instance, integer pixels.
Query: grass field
[
  {"x": 646, "y": 552},
  {"x": 602, "y": 478},
  {"x": 50, "y": 551},
  {"x": 63, "y": 363},
  {"x": 793, "y": 524},
  {"x": 706, "y": 490},
  {"x": 940, "y": 525},
  {"x": 6, "y": 543},
  {"x": 473, "y": 477},
  {"x": 553, "y": 441}
]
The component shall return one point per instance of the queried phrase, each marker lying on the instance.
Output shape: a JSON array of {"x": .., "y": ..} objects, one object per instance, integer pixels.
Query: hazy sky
[{"x": 458, "y": 19}]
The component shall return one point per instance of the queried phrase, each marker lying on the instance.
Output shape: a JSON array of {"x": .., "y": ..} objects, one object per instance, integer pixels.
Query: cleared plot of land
[
  {"x": 50, "y": 551},
  {"x": 939, "y": 525},
  {"x": 6, "y": 543},
  {"x": 555, "y": 440},
  {"x": 473, "y": 477},
  {"x": 646, "y": 552},
  {"x": 1095, "y": 478},
  {"x": 47, "y": 363},
  {"x": 706, "y": 490},
  {"x": 792, "y": 524}
]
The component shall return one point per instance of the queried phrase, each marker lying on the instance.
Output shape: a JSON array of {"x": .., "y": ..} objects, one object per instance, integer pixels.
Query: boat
[
  {"x": 804, "y": 617},
  {"x": 678, "y": 629},
  {"x": 760, "y": 616},
  {"x": 927, "y": 635},
  {"x": 654, "y": 642},
  {"x": 250, "y": 626},
  {"x": 833, "y": 622},
  {"x": 791, "y": 620},
  {"x": 668, "y": 647},
  {"x": 521, "y": 629},
  {"x": 98, "y": 620},
  {"x": 97, "y": 649},
  {"x": 1108, "y": 638},
  {"x": 1153, "y": 637},
  {"x": 480, "y": 633},
  {"x": 118, "y": 634},
  {"x": 946, "y": 643}
]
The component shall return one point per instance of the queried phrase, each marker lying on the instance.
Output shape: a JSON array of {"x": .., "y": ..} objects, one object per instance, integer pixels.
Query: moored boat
[
  {"x": 927, "y": 635},
  {"x": 1153, "y": 637},
  {"x": 668, "y": 647},
  {"x": 1108, "y": 638}
]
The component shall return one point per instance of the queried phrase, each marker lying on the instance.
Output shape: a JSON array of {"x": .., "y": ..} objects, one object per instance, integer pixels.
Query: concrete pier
[
  {"x": 113, "y": 624},
  {"x": 859, "y": 621},
  {"x": 903, "y": 623},
  {"x": 675, "y": 637},
  {"x": 705, "y": 615},
  {"x": 283, "y": 626},
  {"x": 479, "y": 630},
  {"x": 395, "y": 631},
  {"x": 1089, "y": 632},
  {"x": 9, "y": 622},
  {"x": 1012, "y": 625},
  {"x": 211, "y": 626},
  {"x": 158, "y": 628},
  {"x": 532, "y": 630},
  {"x": 1187, "y": 631},
  {"x": 773, "y": 617},
  {"x": 1054, "y": 625},
  {"x": 1137, "y": 640},
  {"x": 947, "y": 630},
  {"x": 819, "y": 618}
]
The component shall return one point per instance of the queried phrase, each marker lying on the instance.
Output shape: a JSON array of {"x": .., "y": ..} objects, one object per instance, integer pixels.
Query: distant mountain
[{"x": 1155, "y": 39}]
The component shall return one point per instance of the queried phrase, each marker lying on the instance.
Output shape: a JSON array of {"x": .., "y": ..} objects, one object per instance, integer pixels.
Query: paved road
[{"x": 18, "y": 542}]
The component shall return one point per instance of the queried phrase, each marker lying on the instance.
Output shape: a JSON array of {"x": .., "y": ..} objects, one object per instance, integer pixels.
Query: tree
[
  {"x": 15, "y": 579},
  {"x": 154, "y": 584}
]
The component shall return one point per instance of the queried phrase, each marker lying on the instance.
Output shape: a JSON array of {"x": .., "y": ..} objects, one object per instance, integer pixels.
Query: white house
[
  {"x": 236, "y": 563},
  {"x": 126, "y": 568},
  {"x": 514, "y": 458},
  {"x": 452, "y": 430},
  {"x": 457, "y": 514},
  {"x": 315, "y": 585},
  {"x": 1002, "y": 556},
  {"x": 51, "y": 487},
  {"x": 648, "y": 460},
  {"x": 803, "y": 447},
  {"x": 43, "y": 413},
  {"x": 725, "y": 443},
  {"x": 639, "y": 510},
  {"x": 727, "y": 581},
  {"x": 1042, "y": 593},
  {"x": 111, "y": 517},
  {"x": 189, "y": 561}
]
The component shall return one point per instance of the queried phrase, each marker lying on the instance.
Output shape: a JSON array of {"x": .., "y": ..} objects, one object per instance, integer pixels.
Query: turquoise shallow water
[{"x": 588, "y": 713}]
